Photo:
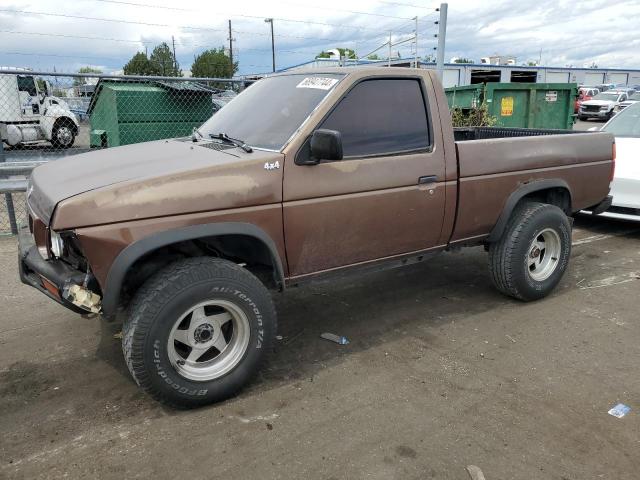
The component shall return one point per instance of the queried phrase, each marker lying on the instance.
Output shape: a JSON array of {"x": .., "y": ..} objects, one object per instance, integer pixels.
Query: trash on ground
[
  {"x": 335, "y": 338},
  {"x": 118, "y": 336},
  {"x": 278, "y": 337},
  {"x": 511, "y": 338},
  {"x": 620, "y": 410},
  {"x": 475, "y": 473}
]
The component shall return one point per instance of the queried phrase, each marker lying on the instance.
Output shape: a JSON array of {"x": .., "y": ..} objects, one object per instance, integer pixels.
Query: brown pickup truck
[{"x": 303, "y": 175}]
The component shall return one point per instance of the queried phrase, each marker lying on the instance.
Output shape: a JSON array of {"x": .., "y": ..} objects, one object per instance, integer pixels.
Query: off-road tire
[
  {"x": 508, "y": 257},
  {"x": 160, "y": 301}
]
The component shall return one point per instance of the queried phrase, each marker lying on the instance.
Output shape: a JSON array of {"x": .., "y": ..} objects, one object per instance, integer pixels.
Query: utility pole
[
  {"x": 442, "y": 33},
  {"x": 416, "y": 56},
  {"x": 175, "y": 60},
  {"x": 389, "y": 61},
  {"x": 230, "y": 48},
  {"x": 273, "y": 44}
]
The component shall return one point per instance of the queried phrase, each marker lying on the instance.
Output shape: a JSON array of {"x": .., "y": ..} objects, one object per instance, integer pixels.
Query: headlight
[
  {"x": 604, "y": 107},
  {"x": 57, "y": 245}
]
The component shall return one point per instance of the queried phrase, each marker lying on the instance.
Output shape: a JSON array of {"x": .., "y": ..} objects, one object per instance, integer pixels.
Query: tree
[
  {"x": 213, "y": 63},
  {"x": 83, "y": 80},
  {"x": 344, "y": 53},
  {"x": 462, "y": 60},
  {"x": 163, "y": 61},
  {"x": 373, "y": 57},
  {"x": 140, "y": 65}
]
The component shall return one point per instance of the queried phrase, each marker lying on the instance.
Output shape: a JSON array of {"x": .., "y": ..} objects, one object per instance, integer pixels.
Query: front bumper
[
  {"x": 47, "y": 276},
  {"x": 598, "y": 114}
]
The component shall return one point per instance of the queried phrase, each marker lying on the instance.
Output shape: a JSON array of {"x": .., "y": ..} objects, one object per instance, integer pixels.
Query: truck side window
[
  {"x": 26, "y": 84},
  {"x": 380, "y": 117}
]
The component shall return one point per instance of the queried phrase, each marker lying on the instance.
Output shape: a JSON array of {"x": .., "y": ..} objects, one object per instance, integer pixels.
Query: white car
[
  {"x": 633, "y": 98},
  {"x": 625, "y": 187},
  {"x": 602, "y": 105}
]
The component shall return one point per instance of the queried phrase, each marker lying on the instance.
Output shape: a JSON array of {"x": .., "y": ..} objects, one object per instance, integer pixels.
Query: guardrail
[{"x": 14, "y": 178}]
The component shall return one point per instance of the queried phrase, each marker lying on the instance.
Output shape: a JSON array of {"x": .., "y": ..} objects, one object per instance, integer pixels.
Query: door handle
[{"x": 427, "y": 179}]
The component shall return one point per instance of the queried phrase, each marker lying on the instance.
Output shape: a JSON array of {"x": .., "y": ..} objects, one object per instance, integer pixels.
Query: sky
[{"x": 67, "y": 35}]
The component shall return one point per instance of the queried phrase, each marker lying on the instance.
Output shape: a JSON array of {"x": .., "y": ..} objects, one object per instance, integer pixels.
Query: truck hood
[
  {"x": 161, "y": 178},
  {"x": 600, "y": 103}
]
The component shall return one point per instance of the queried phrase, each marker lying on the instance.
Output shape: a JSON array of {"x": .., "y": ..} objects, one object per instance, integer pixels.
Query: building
[{"x": 456, "y": 74}]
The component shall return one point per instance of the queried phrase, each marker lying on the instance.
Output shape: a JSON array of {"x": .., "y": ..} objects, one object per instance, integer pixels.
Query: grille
[{"x": 591, "y": 108}]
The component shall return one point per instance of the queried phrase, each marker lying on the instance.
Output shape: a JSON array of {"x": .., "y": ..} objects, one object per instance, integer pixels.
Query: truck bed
[
  {"x": 463, "y": 134},
  {"x": 494, "y": 162}
]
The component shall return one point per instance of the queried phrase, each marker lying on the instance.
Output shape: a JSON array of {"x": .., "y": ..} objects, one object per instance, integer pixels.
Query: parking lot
[{"x": 441, "y": 372}]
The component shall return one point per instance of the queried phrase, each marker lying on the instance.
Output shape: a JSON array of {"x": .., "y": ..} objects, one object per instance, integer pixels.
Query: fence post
[{"x": 8, "y": 199}]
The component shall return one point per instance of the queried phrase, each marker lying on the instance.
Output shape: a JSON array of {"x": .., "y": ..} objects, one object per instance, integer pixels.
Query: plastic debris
[
  {"x": 475, "y": 473},
  {"x": 620, "y": 410},
  {"x": 278, "y": 337},
  {"x": 335, "y": 338}
]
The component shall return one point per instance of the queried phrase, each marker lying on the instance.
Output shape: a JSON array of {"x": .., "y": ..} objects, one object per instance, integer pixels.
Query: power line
[
  {"x": 131, "y": 22},
  {"x": 162, "y": 7},
  {"x": 400, "y": 4}
]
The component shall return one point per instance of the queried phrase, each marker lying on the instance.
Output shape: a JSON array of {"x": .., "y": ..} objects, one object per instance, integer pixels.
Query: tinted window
[
  {"x": 26, "y": 84},
  {"x": 381, "y": 116}
]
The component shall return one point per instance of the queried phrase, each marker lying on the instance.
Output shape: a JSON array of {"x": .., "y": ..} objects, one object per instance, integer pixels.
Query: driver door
[{"x": 385, "y": 198}]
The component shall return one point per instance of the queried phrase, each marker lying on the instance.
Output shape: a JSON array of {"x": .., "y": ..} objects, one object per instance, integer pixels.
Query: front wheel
[
  {"x": 197, "y": 331},
  {"x": 531, "y": 257},
  {"x": 63, "y": 135}
]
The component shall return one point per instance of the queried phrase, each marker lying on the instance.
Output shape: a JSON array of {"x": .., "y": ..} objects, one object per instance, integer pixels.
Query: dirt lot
[{"x": 441, "y": 372}]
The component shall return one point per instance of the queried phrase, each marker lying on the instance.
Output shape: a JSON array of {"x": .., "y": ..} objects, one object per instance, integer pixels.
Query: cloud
[{"x": 562, "y": 32}]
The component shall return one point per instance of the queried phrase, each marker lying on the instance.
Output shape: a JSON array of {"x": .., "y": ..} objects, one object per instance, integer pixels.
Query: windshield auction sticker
[{"x": 317, "y": 82}]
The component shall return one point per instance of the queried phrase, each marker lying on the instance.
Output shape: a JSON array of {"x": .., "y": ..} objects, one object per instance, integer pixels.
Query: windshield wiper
[{"x": 234, "y": 141}]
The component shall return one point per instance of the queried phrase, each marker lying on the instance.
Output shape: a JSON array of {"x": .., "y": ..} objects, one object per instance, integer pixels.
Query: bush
[{"x": 472, "y": 117}]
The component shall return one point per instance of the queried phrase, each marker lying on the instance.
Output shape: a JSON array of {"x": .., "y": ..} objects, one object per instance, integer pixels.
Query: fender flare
[
  {"x": 519, "y": 194},
  {"x": 127, "y": 257}
]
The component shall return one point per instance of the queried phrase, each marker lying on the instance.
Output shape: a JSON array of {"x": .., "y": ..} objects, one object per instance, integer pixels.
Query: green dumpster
[
  {"x": 123, "y": 112},
  {"x": 520, "y": 105}
]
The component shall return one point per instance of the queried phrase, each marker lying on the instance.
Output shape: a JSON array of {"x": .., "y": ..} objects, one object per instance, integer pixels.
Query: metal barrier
[{"x": 45, "y": 116}]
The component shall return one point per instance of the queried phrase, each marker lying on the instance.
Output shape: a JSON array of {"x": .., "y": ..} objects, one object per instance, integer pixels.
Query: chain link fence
[{"x": 46, "y": 116}]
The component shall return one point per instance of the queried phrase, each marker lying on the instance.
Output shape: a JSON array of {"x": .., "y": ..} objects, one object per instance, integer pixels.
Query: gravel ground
[{"x": 441, "y": 372}]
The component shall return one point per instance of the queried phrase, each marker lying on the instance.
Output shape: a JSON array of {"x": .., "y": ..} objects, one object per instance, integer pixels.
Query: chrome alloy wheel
[
  {"x": 64, "y": 135},
  {"x": 544, "y": 254},
  {"x": 208, "y": 340}
]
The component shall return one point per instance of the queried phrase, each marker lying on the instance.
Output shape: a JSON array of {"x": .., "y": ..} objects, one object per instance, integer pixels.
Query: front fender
[{"x": 126, "y": 258}]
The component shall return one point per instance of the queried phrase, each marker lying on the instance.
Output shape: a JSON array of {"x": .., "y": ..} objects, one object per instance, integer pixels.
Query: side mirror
[{"x": 326, "y": 145}]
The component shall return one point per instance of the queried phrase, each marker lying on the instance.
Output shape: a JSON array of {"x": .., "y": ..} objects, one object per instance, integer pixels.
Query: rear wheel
[
  {"x": 531, "y": 257},
  {"x": 197, "y": 331}
]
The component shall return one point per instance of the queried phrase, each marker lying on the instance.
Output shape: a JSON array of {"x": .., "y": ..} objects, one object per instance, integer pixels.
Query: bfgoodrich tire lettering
[
  {"x": 164, "y": 298},
  {"x": 511, "y": 258}
]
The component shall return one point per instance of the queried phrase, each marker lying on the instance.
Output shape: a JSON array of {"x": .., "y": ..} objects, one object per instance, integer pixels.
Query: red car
[{"x": 584, "y": 94}]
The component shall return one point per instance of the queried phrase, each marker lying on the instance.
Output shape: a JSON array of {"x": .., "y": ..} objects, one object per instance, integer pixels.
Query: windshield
[
  {"x": 626, "y": 123},
  {"x": 611, "y": 97},
  {"x": 266, "y": 114}
]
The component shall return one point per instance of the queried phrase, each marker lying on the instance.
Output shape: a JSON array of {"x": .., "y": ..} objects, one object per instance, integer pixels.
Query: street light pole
[{"x": 273, "y": 45}]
